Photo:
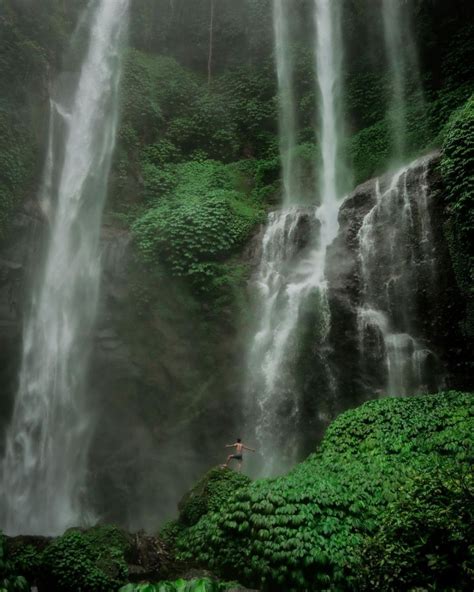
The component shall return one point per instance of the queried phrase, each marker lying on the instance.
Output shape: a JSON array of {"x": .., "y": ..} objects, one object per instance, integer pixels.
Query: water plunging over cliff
[
  {"x": 291, "y": 279},
  {"x": 287, "y": 102},
  {"x": 404, "y": 70},
  {"x": 397, "y": 259},
  {"x": 44, "y": 469}
]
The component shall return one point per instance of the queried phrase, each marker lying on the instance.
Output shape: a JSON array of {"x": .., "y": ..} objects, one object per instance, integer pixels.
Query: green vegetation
[
  {"x": 424, "y": 536},
  {"x": 92, "y": 560},
  {"x": 457, "y": 168},
  {"x": 79, "y": 561},
  {"x": 32, "y": 37},
  {"x": 209, "y": 494},
  {"x": 387, "y": 501},
  {"x": 312, "y": 528},
  {"x": 199, "y": 222},
  {"x": 201, "y": 585},
  {"x": 9, "y": 580}
]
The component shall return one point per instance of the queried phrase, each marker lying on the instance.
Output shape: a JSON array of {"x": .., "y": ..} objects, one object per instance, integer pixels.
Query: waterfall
[
  {"x": 287, "y": 101},
  {"x": 290, "y": 278},
  {"x": 328, "y": 58},
  {"x": 45, "y": 462},
  {"x": 397, "y": 261},
  {"x": 404, "y": 72}
]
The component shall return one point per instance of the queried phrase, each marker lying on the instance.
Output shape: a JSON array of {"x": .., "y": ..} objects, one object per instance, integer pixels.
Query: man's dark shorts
[{"x": 237, "y": 456}]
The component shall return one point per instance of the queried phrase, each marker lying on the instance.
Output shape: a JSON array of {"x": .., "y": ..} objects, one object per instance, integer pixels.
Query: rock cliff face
[{"x": 395, "y": 307}]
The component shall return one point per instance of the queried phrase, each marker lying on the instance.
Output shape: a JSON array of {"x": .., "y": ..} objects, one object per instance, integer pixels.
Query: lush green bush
[
  {"x": 209, "y": 494},
  {"x": 425, "y": 539},
  {"x": 250, "y": 95},
  {"x": 87, "y": 561},
  {"x": 164, "y": 102},
  {"x": 457, "y": 168},
  {"x": 196, "y": 585},
  {"x": 9, "y": 580},
  {"x": 32, "y": 39},
  {"x": 198, "y": 224},
  {"x": 305, "y": 530}
]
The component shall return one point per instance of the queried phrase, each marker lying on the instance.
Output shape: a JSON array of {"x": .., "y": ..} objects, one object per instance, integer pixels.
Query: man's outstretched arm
[{"x": 251, "y": 449}]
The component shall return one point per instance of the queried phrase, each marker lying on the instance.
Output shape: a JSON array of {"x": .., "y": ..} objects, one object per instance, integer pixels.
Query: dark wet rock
[
  {"x": 434, "y": 314},
  {"x": 307, "y": 230},
  {"x": 20, "y": 255},
  {"x": 148, "y": 559}
]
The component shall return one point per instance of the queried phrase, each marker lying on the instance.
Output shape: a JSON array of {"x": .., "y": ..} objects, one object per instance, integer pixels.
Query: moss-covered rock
[
  {"x": 306, "y": 530},
  {"x": 457, "y": 167},
  {"x": 210, "y": 494}
]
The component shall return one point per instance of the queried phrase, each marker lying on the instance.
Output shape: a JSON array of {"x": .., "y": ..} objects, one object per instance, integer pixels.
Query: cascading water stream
[
  {"x": 287, "y": 103},
  {"x": 397, "y": 260},
  {"x": 291, "y": 268},
  {"x": 45, "y": 463},
  {"x": 404, "y": 73}
]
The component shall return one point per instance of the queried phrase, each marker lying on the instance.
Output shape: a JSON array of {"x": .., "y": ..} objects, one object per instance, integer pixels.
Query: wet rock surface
[
  {"x": 18, "y": 258},
  {"x": 430, "y": 307}
]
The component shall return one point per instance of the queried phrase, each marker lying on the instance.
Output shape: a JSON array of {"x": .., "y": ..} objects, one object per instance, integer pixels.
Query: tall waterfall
[
  {"x": 403, "y": 66},
  {"x": 290, "y": 277},
  {"x": 44, "y": 468},
  {"x": 287, "y": 102},
  {"x": 398, "y": 261}
]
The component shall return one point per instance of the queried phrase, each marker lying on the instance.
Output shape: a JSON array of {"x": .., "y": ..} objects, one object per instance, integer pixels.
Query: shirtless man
[{"x": 238, "y": 456}]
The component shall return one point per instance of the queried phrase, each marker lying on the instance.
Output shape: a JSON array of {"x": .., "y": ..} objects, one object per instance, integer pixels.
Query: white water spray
[
  {"x": 404, "y": 69},
  {"x": 45, "y": 463},
  {"x": 291, "y": 270},
  {"x": 398, "y": 260},
  {"x": 287, "y": 101}
]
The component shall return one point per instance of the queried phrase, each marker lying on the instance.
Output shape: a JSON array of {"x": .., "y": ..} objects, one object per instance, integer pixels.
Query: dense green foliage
[
  {"x": 32, "y": 39},
  {"x": 457, "y": 168},
  {"x": 209, "y": 494},
  {"x": 425, "y": 537},
  {"x": 9, "y": 580},
  {"x": 91, "y": 561},
  {"x": 202, "y": 218},
  {"x": 307, "y": 529},
  {"x": 386, "y": 500},
  {"x": 78, "y": 561},
  {"x": 201, "y": 585}
]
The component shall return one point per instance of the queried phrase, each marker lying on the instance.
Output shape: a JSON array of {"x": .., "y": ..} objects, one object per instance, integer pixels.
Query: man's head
[{"x": 239, "y": 440}]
